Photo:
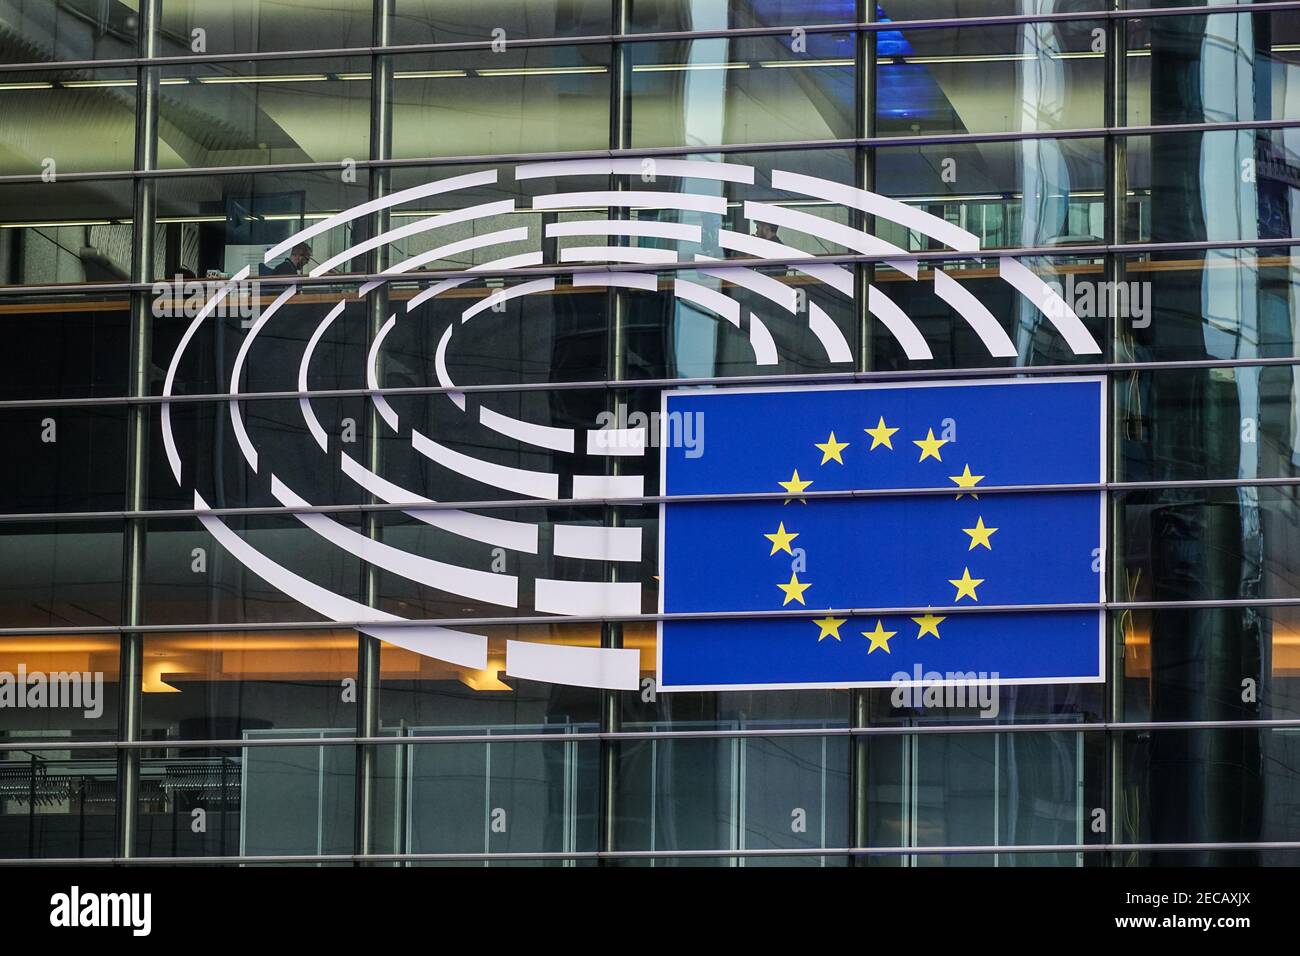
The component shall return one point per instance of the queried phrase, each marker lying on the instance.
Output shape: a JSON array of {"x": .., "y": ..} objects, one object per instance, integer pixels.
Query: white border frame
[{"x": 1103, "y": 531}]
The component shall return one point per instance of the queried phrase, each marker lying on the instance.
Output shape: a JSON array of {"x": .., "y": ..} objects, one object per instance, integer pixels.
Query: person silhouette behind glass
[{"x": 291, "y": 266}]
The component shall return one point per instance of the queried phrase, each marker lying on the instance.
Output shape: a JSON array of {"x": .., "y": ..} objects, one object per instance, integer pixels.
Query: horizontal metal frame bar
[
  {"x": 561, "y": 621},
  {"x": 307, "y": 283},
  {"x": 594, "y": 855},
  {"x": 880, "y": 142},
  {"x": 879, "y": 730},
  {"x": 629, "y": 384},
  {"x": 642, "y": 500},
  {"x": 659, "y": 36}
]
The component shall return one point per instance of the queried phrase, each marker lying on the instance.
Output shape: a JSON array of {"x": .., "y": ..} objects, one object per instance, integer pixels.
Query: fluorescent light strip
[
  {"x": 541, "y": 70},
  {"x": 287, "y": 78},
  {"x": 784, "y": 64},
  {"x": 93, "y": 84},
  {"x": 34, "y": 85},
  {"x": 53, "y": 225},
  {"x": 686, "y": 67}
]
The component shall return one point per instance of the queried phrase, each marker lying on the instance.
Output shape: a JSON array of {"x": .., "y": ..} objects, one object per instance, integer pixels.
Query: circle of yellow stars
[{"x": 832, "y": 450}]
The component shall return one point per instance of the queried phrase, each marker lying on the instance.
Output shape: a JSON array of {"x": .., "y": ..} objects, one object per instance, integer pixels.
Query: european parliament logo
[{"x": 884, "y": 555}]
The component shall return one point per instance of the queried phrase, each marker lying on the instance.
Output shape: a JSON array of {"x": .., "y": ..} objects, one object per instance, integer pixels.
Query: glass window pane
[
  {"x": 81, "y": 345},
  {"x": 753, "y": 90},
  {"x": 1031, "y": 76},
  {"x": 61, "y": 121},
  {"x": 65, "y": 232},
  {"x": 1217, "y": 69},
  {"x": 263, "y": 111},
  {"x": 522, "y": 100},
  {"x": 215, "y": 26},
  {"x": 453, "y": 21}
]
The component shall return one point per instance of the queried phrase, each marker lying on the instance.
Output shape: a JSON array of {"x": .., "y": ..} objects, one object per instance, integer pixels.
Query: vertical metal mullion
[
  {"x": 368, "y": 651},
  {"x": 131, "y": 651},
  {"x": 611, "y": 634},
  {"x": 865, "y": 63},
  {"x": 1116, "y": 114}
]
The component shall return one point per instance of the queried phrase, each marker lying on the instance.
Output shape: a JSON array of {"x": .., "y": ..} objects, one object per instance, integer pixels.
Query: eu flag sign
[{"x": 884, "y": 585}]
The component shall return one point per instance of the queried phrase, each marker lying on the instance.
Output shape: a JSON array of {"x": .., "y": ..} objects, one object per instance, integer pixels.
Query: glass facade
[{"x": 1143, "y": 163}]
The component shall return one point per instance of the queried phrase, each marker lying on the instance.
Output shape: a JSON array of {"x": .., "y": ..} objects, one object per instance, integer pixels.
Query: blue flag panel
[{"x": 931, "y": 555}]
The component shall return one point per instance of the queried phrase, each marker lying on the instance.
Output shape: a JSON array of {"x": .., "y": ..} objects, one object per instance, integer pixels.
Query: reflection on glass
[
  {"x": 1031, "y": 76},
  {"x": 1212, "y": 69},
  {"x": 60, "y": 574},
  {"x": 1242, "y": 183}
]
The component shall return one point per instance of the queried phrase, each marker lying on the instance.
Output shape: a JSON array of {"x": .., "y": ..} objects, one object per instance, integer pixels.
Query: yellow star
[
  {"x": 781, "y": 539},
  {"x": 879, "y": 638},
  {"x": 929, "y": 624},
  {"x": 978, "y": 535},
  {"x": 794, "y": 486},
  {"x": 830, "y": 626},
  {"x": 930, "y": 446},
  {"x": 966, "y": 586},
  {"x": 831, "y": 449},
  {"x": 794, "y": 590},
  {"x": 880, "y": 435},
  {"x": 967, "y": 480}
]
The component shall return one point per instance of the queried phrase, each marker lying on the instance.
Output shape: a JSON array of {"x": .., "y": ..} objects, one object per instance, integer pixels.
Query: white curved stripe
[
  {"x": 971, "y": 309},
  {"x": 633, "y": 198},
  {"x": 836, "y": 232},
  {"x": 899, "y": 325},
  {"x": 677, "y": 168},
  {"x": 440, "y": 368},
  {"x": 651, "y": 228},
  {"x": 611, "y": 668},
  {"x": 506, "y": 294},
  {"x": 458, "y": 647},
  {"x": 627, "y": 280},
  {"x": 617, "y": 254},
  {"x": 878, "y": 205},
  {"x": 608, "y": 486},
  {"x": 386, "y": 411},
  {"x": 587, "y": 597},
  {"x": 616, "y": 441},
  {"x": 761, "y": 340},
  {"x": 769, "y": 288},
  {"x": 517, "y": 234},
  {"x": 829, "y": 334},
  {"x": 436, "y": 289},
  {"x": 534, "y": 484},
  {"x": 485, "y": 178},
  {"x": 450, "y": 218},
  {"x": 236, "y": 416},
  {"x": 309, "y": 416},
  {"x": 169, "y": 440},
  {"x": 515, "y": 535},
  {"x": 499, "y": 589},
  {"x": 597, "y": 543},
  {"x": 837, "y": 277},
  {"x": 541, "y": 436},
  {"x": 1050, "y": 303},
  {"x": 710, "y": 299}
]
